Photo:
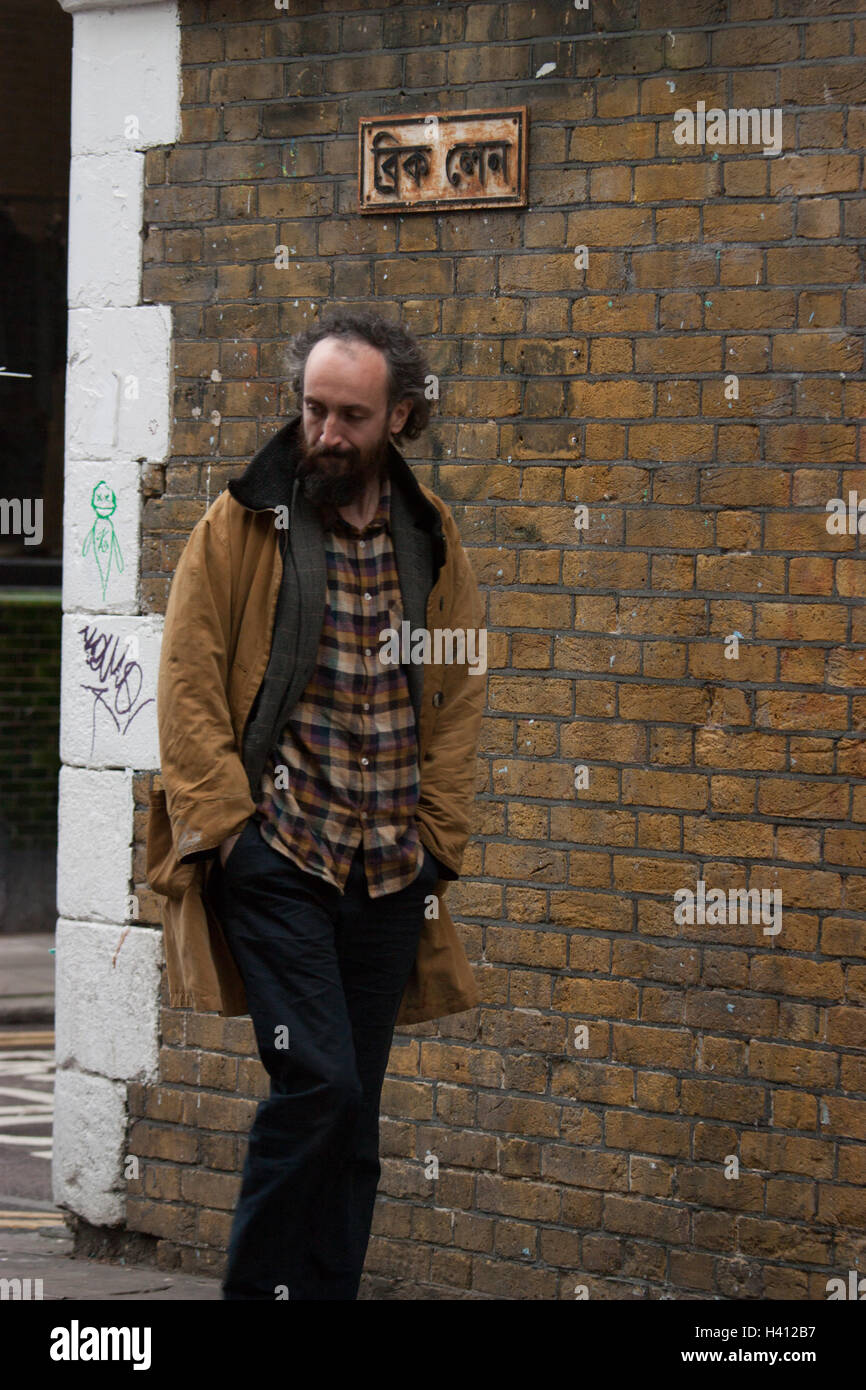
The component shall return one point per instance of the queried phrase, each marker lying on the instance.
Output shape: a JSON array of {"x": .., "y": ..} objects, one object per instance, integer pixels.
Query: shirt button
[
  {"x": 364, "y": 762},
  {"x": 366, "y": 706},
  {"x": 367, "y": 598},
  {"x": 360, "y": 542},
  {"x": 368, "y": 651}
]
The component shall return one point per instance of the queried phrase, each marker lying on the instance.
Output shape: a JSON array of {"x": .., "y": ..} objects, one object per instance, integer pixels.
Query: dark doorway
[{"x": 35, "y": 73}]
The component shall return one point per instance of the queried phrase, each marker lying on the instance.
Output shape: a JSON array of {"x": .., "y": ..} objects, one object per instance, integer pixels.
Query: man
[{"x": 316, "y": 797}]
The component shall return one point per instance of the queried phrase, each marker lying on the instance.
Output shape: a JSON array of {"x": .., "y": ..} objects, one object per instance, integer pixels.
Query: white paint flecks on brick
[
  {"x": 89, "y": 1140},
  {"x": 109, "y": 667},
  {"x": 106, "y": 980},
  {"x": 96, "y": 544},
  {"x": 94, "y": 838},
  {"x": 117, "y": 385},
  {"x": 125, "y": 69},
  {"x": 105, "y": 216}
]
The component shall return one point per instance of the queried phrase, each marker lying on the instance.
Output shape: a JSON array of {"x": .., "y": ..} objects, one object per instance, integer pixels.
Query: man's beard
[{"x": 332, "y": 479}]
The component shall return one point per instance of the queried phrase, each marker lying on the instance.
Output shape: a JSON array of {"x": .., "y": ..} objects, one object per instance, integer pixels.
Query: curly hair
[{"x": 407, "y": 366}]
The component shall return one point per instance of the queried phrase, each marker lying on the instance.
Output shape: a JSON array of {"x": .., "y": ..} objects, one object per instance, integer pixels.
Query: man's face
[{"x": 346, "y": 426}]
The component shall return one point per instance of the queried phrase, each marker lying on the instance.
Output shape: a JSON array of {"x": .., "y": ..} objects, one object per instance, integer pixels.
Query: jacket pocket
[{"x": 164, "y": 873}]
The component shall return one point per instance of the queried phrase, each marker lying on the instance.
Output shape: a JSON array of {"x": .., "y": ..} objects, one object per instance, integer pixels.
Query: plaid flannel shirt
[{"x": 348, "y": 752}]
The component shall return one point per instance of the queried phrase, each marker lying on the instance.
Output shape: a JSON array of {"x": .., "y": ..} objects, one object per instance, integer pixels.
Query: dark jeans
[{"x": 324, "y": 974}]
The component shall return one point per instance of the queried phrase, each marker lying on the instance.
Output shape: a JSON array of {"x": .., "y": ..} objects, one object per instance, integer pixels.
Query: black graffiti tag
[{"x": 121, "y": 675}]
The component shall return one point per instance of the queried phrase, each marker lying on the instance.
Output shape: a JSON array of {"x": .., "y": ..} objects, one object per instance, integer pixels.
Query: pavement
[
  {"x": 34, "y": 1245},
  {"x": 35, "y": 1241}
]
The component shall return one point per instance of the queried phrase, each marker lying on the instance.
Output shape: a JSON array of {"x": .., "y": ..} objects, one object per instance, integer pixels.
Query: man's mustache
[{"x": 316, "y": 455}]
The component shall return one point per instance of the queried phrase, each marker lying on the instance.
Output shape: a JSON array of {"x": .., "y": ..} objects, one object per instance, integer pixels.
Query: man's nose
[{"x": 331, "y": 437}]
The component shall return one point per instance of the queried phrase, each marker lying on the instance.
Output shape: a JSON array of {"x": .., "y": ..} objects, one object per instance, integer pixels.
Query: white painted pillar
[{"x": 125, "y": 98}]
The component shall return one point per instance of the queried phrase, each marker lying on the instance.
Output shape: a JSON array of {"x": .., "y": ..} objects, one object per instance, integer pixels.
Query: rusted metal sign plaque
[{"x": 467, "y": 159}]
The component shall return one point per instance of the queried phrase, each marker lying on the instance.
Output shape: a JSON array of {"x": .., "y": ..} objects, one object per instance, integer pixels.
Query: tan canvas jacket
[{"x": 217, "y": 639}]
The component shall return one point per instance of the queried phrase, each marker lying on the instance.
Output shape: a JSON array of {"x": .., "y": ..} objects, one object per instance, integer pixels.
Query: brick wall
[{"x": 611, "y": 646}]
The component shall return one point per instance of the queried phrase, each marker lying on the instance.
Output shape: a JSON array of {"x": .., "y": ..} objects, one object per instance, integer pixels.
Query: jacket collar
[{"x": 268, "y": 480}]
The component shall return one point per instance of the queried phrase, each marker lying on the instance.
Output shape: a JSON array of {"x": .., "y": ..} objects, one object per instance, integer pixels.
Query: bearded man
[{"x": 315, "y": 798}]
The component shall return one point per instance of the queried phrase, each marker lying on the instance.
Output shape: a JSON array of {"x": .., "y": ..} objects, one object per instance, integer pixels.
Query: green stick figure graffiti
[{"x": 101, "y": 534}]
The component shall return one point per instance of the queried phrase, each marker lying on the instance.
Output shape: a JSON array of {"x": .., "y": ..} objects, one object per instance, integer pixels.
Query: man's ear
[{"x": 399, "y": 415}]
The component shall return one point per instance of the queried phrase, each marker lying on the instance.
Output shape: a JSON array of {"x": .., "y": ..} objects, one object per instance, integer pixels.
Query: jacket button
[{"x": 437, "y": 698}]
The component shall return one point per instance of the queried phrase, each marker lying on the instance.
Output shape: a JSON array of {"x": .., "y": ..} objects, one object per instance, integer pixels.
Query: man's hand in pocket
[{"x": 228, "y": 845}]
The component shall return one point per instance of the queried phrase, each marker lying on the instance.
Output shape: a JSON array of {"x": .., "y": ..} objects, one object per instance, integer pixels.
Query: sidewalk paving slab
[{"x": 46, "y": 1254}]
